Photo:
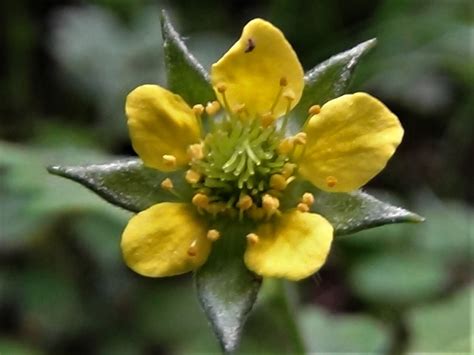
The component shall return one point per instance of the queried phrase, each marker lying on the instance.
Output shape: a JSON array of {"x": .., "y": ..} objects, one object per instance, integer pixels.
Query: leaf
[
  {"x": 126, "y": 183},
  {"x": 349, "y": 212},
  {"x": 226, "y": 289},
  {"x": 185, "y": 74},
  {"x": 330, "y": 78}
]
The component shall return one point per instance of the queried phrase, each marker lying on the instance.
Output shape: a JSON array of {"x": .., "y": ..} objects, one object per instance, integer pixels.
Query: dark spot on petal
[{"x": 250, "y": 45}]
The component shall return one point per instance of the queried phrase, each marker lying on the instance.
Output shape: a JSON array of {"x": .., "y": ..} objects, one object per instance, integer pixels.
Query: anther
[
  {"x": 195, "y": 151},
  {"x": 307, "y": 198},
  {"x": 268, "y": 119},
  {"x": 239, "y": 108},
  {"x": 167, "y": 184},
  {"x": 283, "y": 81},
  {"x": 244, "y": 203},
  {"x": 286, "y": 146},
  {"x": 270, "y": 203},
  {"x": 169, "y": 160},
  {"x": 213, "y": 235},
  {"x": 302, "y": 207},
  {"x": 192, "y": 250},
  {"x": 289, "y": 95},
  {"x": 300, "y": 138},
  {"x": 278, "y": 182},
  {"x": 200, "y": 200},
  {"x": 213, "y": 107},
  {"x": 288, "y": 169},
  {"x": 252, "y": 238},
  {"x": 221, "y": 87},
  {"x": 198, "y": 109},
  {"x": 314, "y": 110},
  {"x": 331, "y": 181},
  {"x": 192, "y": 176}
]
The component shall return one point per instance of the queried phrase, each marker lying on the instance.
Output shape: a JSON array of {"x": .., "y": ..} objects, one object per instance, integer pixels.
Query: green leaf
[
  {"x": 126, "y": 183},
  {"x": 330, "y": 78},
  {"x": 349, "y": 212},
  {"x": 226, "y": 289},
  {"x": 185, "y": 74}
]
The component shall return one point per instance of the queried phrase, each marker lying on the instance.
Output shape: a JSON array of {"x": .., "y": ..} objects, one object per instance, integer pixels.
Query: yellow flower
[{"x": 240, "y": 169}]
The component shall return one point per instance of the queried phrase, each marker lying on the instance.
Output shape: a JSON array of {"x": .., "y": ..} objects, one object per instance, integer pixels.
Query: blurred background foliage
[{"x": 66, "y": 67}]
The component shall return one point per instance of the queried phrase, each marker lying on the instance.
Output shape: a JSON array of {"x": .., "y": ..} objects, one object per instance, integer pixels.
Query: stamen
[
  {"x": 169, "y": 160},
  {"x": 270, "y": 204},
  {"x": 245, "y": 202},
  {"x": 268, "y": 119},
  {"x": 200, "y": 200},
  {"x": 302, "y": 207},
  {"x": 331, "y": 181},
  {"x": 192, "y": 250},
  {"x": 288, "y": 169},
  {"x": 213, "y": 107},
  {"x": 167, "y": 184},
  {"x": 216, "y": 207},
  {"x": 252, "y": 238},
  {"x": 213, "y": 235},
  {"x": 221, "y": 87},
  {"x": 192, "y": 176},
  {"x": 314, "y": 110},
  {"x": 307, "y": 198},
  {"x": 300, "y": 138},
  {"x": 286, "y": 146},
  {"x": 198, "y": 109},
  {"x": 278, "y": 182},
  {"x": 289, "y": 94},
  {"x": 196, "y": 151}
]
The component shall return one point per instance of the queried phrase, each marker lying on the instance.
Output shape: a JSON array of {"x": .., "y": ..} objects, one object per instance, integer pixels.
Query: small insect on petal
[{"x": 250, "y": 45}]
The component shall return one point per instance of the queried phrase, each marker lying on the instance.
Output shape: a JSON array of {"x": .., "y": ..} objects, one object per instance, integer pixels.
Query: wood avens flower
[{"x": 241, "y": 168}]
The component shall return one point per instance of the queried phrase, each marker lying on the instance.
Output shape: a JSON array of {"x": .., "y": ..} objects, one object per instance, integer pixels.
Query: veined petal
[
  {"x": 157, "y": 241},
  {"x": 254, "y": 66},
  {"x": 160, "y": 123},
  {"x": 349, "y": 142},
  {"x": 293, "y": 246}
]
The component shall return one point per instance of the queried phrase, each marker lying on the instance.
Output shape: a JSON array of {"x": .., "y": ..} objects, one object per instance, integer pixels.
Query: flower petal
[
  {"x": 160, "y": 123},
  {"x": 252, "y": 69},
  {"x": 157, "y": 241},
  {"x": 293, "y": 246},
  {"x": 349, "y": 142}
]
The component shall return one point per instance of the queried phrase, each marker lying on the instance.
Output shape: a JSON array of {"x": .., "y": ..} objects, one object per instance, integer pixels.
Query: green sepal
[
  {"x": 349, "y": 212},
  {"x": 330, "y": 79},
  {"x": 185, "y": 75},
  {"x": 126, "y": 183},
  {"x": 226, "y": 289}
]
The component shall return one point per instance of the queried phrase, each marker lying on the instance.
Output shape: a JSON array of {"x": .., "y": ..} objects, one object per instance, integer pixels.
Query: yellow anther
[
  {"x": 198, "y": 109},
  {"x": 216, "y": 207},
  {"x": 331, "y": 181},
  {"x": 239, "y": 108},
  {"x": 213, "y": 107},
  {"x": 283, "y": 81},
  {"x": 278, "y": 182},
  {"x": 302, "y": 207},
  {"x": 213, "y": 235},
  {"x": 286, "y": 146},
  {"x": 169, "y": 160},
  {"x": 270, "y": 203},
  {"x": 192, "y": 176},
  {"x": 268, "y": 119},
  {"x": 200, "y": 200},
  {"x": 307, "y": 198},
  {"x": 252, "y": 238},
  {"x": 195, "y": 151},
  {"x": 192, "y": 250},
  {"x": 245, "y": 202},
  {"x": 289, "y": 95},
  {"x": 288, "y": 169},
  {"x": 314, "y": 110},
  {"x": 300, "y": 138},
  {"x": 167, "y": 184},
  {"x": 221, "y": 87}
]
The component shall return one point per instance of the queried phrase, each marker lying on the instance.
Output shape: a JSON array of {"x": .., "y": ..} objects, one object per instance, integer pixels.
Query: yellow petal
[
  {"x": 292, "y": 246},
  {"x": 160, "y": 124},
  {"x": 157, "y": 241},
  {"x": 252, "y": 69},
  {"x": 349, "y": 142}
]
